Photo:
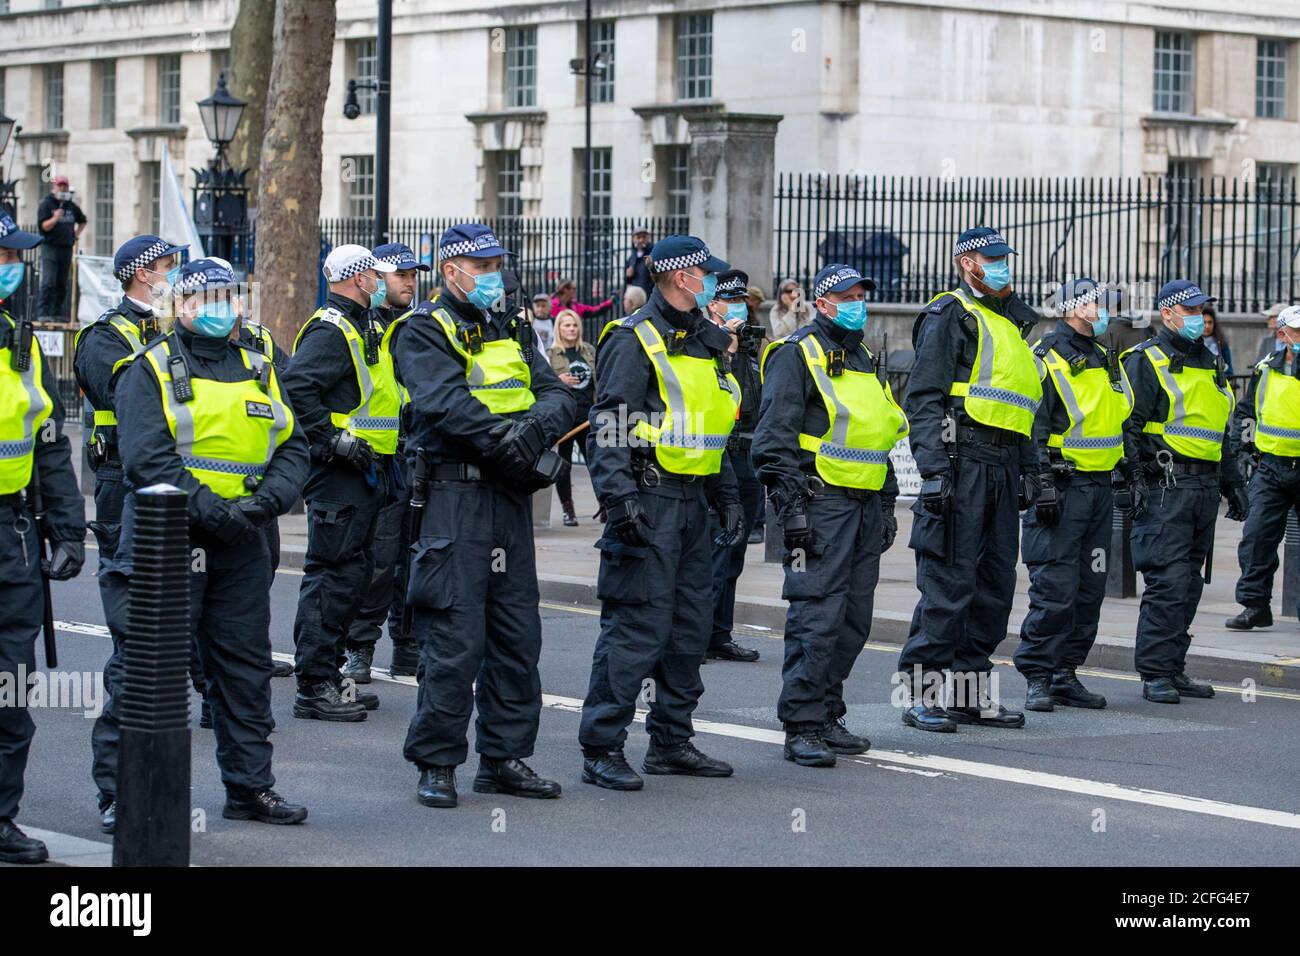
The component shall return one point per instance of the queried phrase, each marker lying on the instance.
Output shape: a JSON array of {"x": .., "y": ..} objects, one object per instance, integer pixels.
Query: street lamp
[
  {"x": 8, "y": 187},
  {"x": 587, "y": 66},
  {"x": 220, "y": 196}
]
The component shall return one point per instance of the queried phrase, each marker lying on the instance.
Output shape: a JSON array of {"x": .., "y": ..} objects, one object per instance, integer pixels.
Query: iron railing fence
[{"x": 1238, "y": 239}]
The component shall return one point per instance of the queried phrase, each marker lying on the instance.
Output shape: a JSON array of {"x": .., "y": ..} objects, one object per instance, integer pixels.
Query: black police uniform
[
  {"x": 655, "y": 610},
  {"x": 21, "y": 599},
  {"x": 832, "y": 599},
  {"x": 473, "y": 576},
  {"x": 962, "y": 614},
  {"x": 230, "y": 607},
  {"x": 343, "y": 506},
  {"x": 1067, "y": 582},
  {"x": 1175, "y": 531},
  {"x": 1274, "y": 494}
]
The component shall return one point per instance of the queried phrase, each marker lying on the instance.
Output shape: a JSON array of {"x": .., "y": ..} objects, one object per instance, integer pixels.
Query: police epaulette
[
  {"x": 635, "y": 319},
  {"x": 425, "y": 309},
  {"x": 1042, "y": 348},
  {"x": 801, "y": 333}
]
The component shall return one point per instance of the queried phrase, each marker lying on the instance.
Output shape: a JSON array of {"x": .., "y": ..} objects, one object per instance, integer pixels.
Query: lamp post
[
  {"x": 588, "y": 67},
  {"x": 382, "y": 85},
  {"x": 8, "y": 187},
  {"x": 220, "y": 196}
]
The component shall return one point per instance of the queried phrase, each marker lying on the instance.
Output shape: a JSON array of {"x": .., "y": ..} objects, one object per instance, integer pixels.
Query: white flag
[
  {"x": 176, "y": 225},
  {"x": 97, "y": 290}
]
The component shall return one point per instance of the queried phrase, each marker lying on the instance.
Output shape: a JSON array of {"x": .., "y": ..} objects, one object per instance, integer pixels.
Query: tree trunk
[
  {"x": 249, "y": 76},
  {"x": 288, "y": 205}
]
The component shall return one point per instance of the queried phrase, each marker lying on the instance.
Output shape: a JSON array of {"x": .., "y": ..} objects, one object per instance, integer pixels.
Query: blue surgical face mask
[
  {"x": 380, "y": 295},
  {"x": 11, "y": 277},
  {"x": 738, "y": 310},
  {"x": 173, "y": 274},
  {"x": 997, "y": 275},
  {"x": 1193, "y": 327},
  {"x": 706, "y": 294},
  {"x": 215, "y": 319},
  {"x": 851, "y": 315},
  {"x": 1101, "y": 323},
  {"x": 487, "y": 291}
]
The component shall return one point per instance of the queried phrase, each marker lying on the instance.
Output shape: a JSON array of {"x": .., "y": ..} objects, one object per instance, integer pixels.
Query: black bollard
[
  {"x": 153, "y": 776},
  {"x": 1121, "y": 579},
  {"x": 1291, "y": 565}
]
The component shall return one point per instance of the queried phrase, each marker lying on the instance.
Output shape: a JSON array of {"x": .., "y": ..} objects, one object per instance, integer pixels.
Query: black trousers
[
  {"x": 56, "y": 264},
  {"x": 387, "y": 572},
  {"x": 728, "y": 563},
  {"x": 342, "y": 514},
  {"x": 110, "y": 494},
  {"x": 1171, "y": 538},
  {"x": 20, "y": 623},
  {"x": 474, "y": 602},
  {"x": 966, "y": 602},
  {"x": 1274, "y": 494},
  {"x": 655, "y": 616},
  {"x": 831, "y": 591},
  {"x": 1067, "y": 576}
]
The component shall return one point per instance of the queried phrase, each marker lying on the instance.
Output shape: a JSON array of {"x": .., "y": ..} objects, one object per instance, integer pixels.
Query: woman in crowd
[
  {"x": 566, "y": 298},
  {"x": 574, "y": 362},
  {"x": 1215, "y": 340},
  {"x": 790, "y": 311}
]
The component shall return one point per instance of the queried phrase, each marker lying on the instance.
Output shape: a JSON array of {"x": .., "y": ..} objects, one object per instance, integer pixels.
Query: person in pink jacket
[{"x": 566, "y": 298}]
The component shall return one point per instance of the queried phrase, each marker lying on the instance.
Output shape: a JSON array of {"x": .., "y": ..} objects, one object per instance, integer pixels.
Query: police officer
[
  {"x": 665, "y": 406},
  {"x": 207, "y": 415},
  {"x": 828, "y": 423},
  {"x": 970, "y": 401},
  {"x": 1079, "y": 435},
  {"x": 145, "y": 267},
  {"x": 388, "y": 578},
  {"x": 484, "y": 410},
  {"x": 729, "y": 310},
  {"x": 35, "y": 458},
  {"x": 344, "y": 391},
  {"x": 1181, "y": 407},
  {"x": 1267, "y": 426}
]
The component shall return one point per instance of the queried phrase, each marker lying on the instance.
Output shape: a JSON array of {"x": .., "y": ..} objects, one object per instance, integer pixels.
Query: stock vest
[
  {"x": 701, "y": 403},
  {"x": 864, "y": 421},
  {"x": 1198, "y": 407},
  {"x": 106, "y": 418},
  {"x": 497, "y": 374},
  {"x": 229, "y": 430},
  {"x": 24, "y": 407},
  {"x": 1097, "y": 409},
  {"x": 1277, "y": 411},
  {"x": 1004, "y": 388},
  {"x": 376, "y": 419}
]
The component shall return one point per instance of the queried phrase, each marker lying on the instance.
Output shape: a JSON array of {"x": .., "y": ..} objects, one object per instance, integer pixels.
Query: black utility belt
[
  {"x": 819, "y": 488},
  {"x": 13, "y": 500},
  {"x": 454, "y": 471},
  {"x": 987, "y": 436},
  {"x": 651, "y": 476},
  {"x": 1282, "y": 461},
  {"x": 1192, "y": 467}
]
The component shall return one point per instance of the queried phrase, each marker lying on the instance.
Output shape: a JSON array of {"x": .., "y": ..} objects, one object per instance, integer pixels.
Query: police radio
[
  {"x": 179, "y": 370},
  {"x": 371, "y": 340},
  {"x": 20, "y": 347}
]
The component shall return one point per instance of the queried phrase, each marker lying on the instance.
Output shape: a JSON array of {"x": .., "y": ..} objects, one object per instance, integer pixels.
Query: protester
[
  {"x": 574, "y": 362},
  {"x": 61, "y": 223},
  {"x": 566, "y": 298},
  {"x": 1215, "y": 340},
  {"x": 790, "y": 311},
  {"x": 543, "y": 324}
]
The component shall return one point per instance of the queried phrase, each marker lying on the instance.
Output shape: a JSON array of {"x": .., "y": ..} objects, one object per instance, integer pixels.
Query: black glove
[
  {"x": 732, "y": 518},
  {"x": 66, "y": 559},
  {"x": 1238, "y": 502},
  {"x": 355, "y": 451},
  {"x": 256, "y": 509},
  {"x": 796, "y": 526},
  {"x": 231, "y": 525},
  {"x": 628, "y": 523},
  {"x": 1141, "y": 492},
  {"x": 1047, "y": 502},
  {"x": 936, "y": 492},
  {"x": 1031, "y": 486},
  {"x": 889, "y": 526},
  {"x": 520, "y": 442}
]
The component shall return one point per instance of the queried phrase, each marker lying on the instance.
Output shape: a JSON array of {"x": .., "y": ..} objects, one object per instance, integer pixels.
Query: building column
[{"x": 733, "y": 178}]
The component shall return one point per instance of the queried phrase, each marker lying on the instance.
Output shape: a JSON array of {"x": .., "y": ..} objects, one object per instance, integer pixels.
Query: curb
[{"x": 1108, "y": 653}]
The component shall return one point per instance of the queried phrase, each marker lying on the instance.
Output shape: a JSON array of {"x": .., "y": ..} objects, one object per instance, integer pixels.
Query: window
[
  {"x": 679, "y": 186},
  {"x": 601, "y": 183},
  {"x": 509, "y": 179},
  {"x": 694, "y": 33},
  {"x": 1270, "y": 78},
  {"x": 105, "y": 75},
  {"x": 359, "y": 186},
  {"x": 365, "y": 69},
  {"x": 602, "y": 43},
  {"x": 150, "y": 184},
  {"x": 1274, "y": 203},
  {"x": 54, "y": 96},
  {"x": 1173, "y": 72},
  {"x": 101, "y": 179},
  {"x": 169, "y": 89},
  {"x": 521, "y": 66}
]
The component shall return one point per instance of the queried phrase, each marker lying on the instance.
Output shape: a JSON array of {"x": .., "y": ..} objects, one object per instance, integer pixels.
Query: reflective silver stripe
[
  {"x": 473, "y": 371},
  {"x": 279, "y": 411},
  {"x": 1108, "y": 441},
  {"x": 180, "y": 411},
  {"x": 1261, "y": 392},
  {"x": 1066, "y": 391},
  {"x": 505, "y": 383},
  {"x": 845, "y": 453},
  {"x": 1003, "y": 396},
  {"x": 1189, "y": 431},
  {"x": 365, "y": 383},
  {"x": 1291, "y": 433},
  {"x": 35, "y": 398},
  {"x": 1178, "y": 409},
  {"x": 653, "y": 344},
  {"x": 840, "y": 430},
  {"x": 982, "y": 386}
]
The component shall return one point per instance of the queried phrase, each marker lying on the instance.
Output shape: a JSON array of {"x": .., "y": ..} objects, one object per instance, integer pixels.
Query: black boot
[
  {"x": 1192, "y": 688},
  {"x": 514, "y": 778},
  {"x": 356, "y": 664},
  {"x": 437, "y": 787},
  {"x": 756, "y": 536},
  {"x": 17, "y": 847},
  {"x": 837, "y": 737},
  {"x": 933, "y": 719},
  {"x": 406, "y": 657},
  {"x": 987, "y": 714},
  {"x": 322, "y": 701},
  {"x": 205, "y": 715},
  {"x": 684, "y": 760},
  {"x": 731, "y": 651},
  {"x": 1038, "y": 696},
  {"x": 611, "y": 771},
  {"x": 1070, "y": 692},
  {"x": 570, "y": 518},
  {"x": 363, "y": 697},
  {"x": 266, "y": 806},
  {"x": 807, "y": 749},
  {"x": 108, "y": 818},
  {"x": 281, "y": 669},
  {"x": 1160, "y": 690},
  {"x": 1251, "y": 617}
]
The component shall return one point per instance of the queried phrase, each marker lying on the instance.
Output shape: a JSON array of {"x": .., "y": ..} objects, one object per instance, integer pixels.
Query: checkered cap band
[
  {"x": 1182, "y": 295},
  {"x": 395, "y": 257},
  {"x": 355, "y": 267},
  {"x": 198, "y": 281},
  {"x": 130, "y": 267},
  {"x": 978, "y": 242},
  {"x": 463, "y": 247},
  {"x": 680, "y": 262},
  {"x": 835, "y": 279},
  {"x": 733, "y": 284},
  {"x": 1083, "y": 298}
]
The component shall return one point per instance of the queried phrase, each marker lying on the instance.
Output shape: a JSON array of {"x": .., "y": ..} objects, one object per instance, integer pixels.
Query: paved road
[{"x": 1072, "y": 788}]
